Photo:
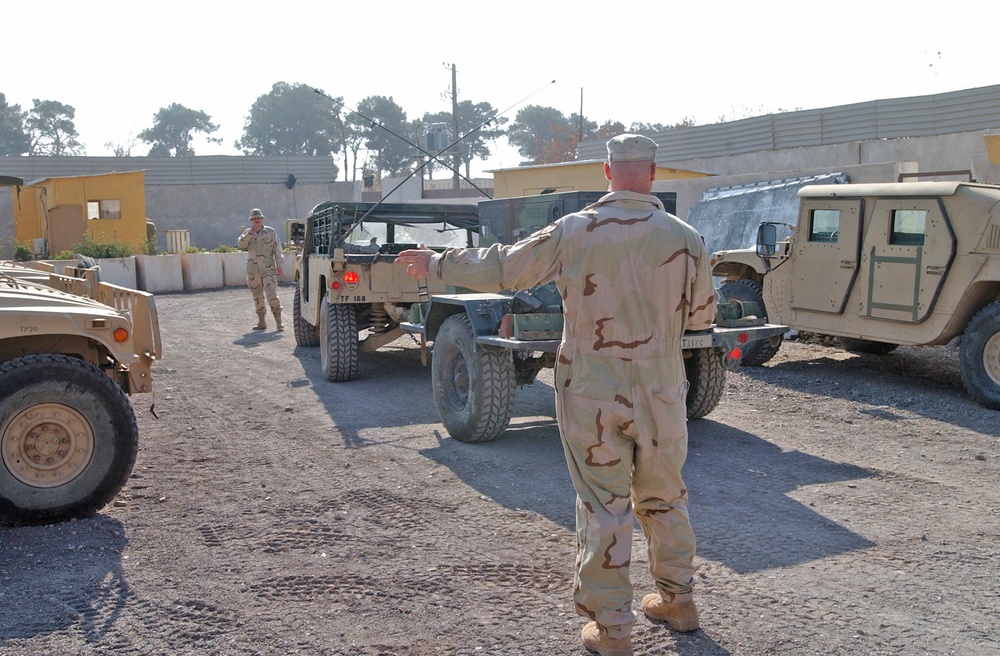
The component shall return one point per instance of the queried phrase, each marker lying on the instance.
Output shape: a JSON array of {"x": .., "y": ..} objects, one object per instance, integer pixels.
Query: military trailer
[
  {"x": 71, "y": 351},
  {"x": 485, "y": 346},
  {"x": 879, "y": 265},
  {"x": 348, "y": 295}
]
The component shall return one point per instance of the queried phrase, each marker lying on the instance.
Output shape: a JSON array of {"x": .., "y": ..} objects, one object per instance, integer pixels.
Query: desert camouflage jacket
[
  {"x": 263, "y": 251},
  {"x": 633, "y": 277}
]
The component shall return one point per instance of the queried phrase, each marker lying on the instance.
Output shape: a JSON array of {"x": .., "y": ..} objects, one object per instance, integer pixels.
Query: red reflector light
[
  {"x": 743, "y": 338},
  {"x": 736, "y": 354},
  {"x": 120, "y": 334},
  {"x": 335, "y": 284},
  {"x": 351, "y": 277}
]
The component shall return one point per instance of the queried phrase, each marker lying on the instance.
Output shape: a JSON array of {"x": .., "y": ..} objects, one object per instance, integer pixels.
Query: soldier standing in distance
[
  {"x": 264, "y": 261},
  {"x": 633, "y": 279}
]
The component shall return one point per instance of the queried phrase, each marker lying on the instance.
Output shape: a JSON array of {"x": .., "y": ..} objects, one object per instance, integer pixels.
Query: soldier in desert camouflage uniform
[
  {"x": 264, "y": 262},
  {"x": 633, "y": 279}
]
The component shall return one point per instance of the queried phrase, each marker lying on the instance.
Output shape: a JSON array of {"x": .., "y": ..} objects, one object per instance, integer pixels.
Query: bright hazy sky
[{"x": 662, "y": 61}]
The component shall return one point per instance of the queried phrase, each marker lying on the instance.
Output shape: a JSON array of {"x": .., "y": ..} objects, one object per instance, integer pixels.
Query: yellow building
[
  {"x": 55, "y": 214},
  {"x": 565, "y": 176}
]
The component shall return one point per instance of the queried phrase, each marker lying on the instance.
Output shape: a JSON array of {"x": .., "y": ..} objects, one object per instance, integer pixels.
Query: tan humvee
[
  {"x": 71, "y": 351},
  {"x": 878, "y": 265},
  {"x": 348, "y": 295}
]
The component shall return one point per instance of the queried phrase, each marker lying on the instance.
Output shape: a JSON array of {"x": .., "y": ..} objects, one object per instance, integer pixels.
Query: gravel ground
[{"x": 843, "y": 504}]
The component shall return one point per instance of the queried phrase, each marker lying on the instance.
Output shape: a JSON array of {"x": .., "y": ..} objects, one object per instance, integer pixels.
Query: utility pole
[{"x": 456, "y": 160}]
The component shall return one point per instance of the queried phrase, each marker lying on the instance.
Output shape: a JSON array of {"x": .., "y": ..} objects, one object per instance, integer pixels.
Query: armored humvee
[
  {"x": 879, "y": 265},
  {"x": 71, "y": 351},
  {"x": 348, "y": 295}
]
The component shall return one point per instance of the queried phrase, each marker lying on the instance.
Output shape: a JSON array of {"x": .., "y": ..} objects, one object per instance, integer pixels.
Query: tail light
[{"x": 351, "y": 277}]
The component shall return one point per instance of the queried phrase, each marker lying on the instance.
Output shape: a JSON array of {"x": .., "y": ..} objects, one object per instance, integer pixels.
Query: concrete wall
[{"x": 216, "y": 214}]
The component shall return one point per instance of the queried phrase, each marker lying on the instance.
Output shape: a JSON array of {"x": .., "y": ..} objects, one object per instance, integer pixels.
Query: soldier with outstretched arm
[{"x": 633, "y": 279}]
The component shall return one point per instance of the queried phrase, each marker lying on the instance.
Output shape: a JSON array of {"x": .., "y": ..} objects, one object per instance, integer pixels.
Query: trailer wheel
[
  {"x": 706, "y": 376},
  {"x": 866, "y": 346},
  {"x": 68, "y": 439},
  {"x": 306, "y": 334},
  {"x": 760, "y": 351},
  {"x": 338, "y": 341},
  {"x": 473, "y": 385},
  {"x": 979, "y": 356}
]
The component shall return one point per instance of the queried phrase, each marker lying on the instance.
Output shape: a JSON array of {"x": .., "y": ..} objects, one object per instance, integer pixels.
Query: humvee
[
  {"x": 879, "y": 265},
  {"x": 348, "y": 295},
  {"x": 71, "y": 351},
  {"x": 488, "y": 345}
]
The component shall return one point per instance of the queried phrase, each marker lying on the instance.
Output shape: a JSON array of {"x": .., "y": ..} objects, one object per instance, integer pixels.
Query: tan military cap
[
  {"x": 631, "y": 148},
  {"x": 255, "y": 213}
]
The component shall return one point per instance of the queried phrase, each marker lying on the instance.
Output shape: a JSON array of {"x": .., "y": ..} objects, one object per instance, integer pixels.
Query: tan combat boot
[
  {"x": 260, "y": 323},
  {"x": 678, "y": 611},
  {"x": 596, "y": 638},
  {"x": 277, "y": 320}
]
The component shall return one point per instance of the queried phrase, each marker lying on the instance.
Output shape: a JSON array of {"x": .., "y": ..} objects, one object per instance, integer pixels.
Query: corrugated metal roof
[
  {"x": 968, "y": 110},
  {"x": 211, "y": 169}
]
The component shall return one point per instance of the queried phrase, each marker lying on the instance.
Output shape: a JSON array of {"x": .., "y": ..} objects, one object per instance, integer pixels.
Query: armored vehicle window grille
[
  {"x": 825, "y": 226},
  {"x": 908, "y": 227}
]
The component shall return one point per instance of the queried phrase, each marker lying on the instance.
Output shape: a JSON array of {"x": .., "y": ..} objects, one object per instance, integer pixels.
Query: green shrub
[
  {"x": 223, "y": 248},
  {"x": 65, "y": 255},
  {"x": 23, "y": 254},
  {"x": 102, "y": 250},
  {"x": 192, "y": 249}
]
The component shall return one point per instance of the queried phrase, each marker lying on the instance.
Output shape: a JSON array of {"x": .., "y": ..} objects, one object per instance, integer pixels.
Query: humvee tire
[
  {"x": 760, "y": 351},
  {"x": 979, "y": 356},
  {"x": 306, "y": 334},
  {"x": 706, "y": 376},
  {"x": 338, "y": 341},
  {"x": 68, "y": 439},
  {"x": 473, "y": 387},
  {"x": 866, "y": 346}
]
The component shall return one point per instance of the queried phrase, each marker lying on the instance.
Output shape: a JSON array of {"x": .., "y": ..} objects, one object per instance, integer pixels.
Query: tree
[
  {"x": 51, "y": 129},
  {"x": 14, "y": 139},
  {"x": 293, "y": 119},
  {"x": 390, "y": 154},
  {"x": 471, "y": 116},
  {"x": 122, "y": 148},
  {"x": 544, "y": 135},
  {"x": 608, "y": 130},
  {"x": 353, "y": 129},
  {"x": 171, "y": 134}
]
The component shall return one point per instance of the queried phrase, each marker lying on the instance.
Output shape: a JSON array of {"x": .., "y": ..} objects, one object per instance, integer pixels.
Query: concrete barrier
[
  {"x": 118, "y": 271},
  {"x": 159, "y": 273},
  {"x": 202, "y": 270},
  {"x": 234, "y": 269}
]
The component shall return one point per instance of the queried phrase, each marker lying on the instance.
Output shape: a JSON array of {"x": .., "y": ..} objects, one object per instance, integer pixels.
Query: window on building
[
  {"x": 908, "y": 227},
  {"x": 104, "y": 209},
  {"x": 825, "y": 226}
]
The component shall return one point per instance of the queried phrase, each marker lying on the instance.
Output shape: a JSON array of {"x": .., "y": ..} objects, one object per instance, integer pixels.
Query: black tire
[
  {"x": 473, "y": 385},
  {"x": 338, "y": 341},
  {"x": 68, "y": 439},
  {"x": 866, "y": 346},
  {"x": 759, "y": 351},
  {"x": 306, "y": 334},
  {"x": 979, "y": 356},
  {"x": 706, "y": 376}
]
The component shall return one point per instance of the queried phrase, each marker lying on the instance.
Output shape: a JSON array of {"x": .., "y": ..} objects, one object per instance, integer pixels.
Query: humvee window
[
  {"x": 908, "y": 227},
  {"x": 825, "y": 225}
]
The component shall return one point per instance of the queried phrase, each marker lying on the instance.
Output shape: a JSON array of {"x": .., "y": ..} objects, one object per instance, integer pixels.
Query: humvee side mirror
[{"x": 767, "y": 239}]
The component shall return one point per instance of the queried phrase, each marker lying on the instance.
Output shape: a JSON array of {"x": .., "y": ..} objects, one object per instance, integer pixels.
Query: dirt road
[{"x": 843, "y": 505}]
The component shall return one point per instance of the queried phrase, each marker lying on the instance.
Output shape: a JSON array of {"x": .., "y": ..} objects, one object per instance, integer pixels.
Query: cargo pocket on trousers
[{"x": 674, "y": 398}]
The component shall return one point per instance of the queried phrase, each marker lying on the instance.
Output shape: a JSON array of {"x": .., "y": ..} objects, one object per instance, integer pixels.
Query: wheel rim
[
  {"x": 47, "y": 445},
  {"x": 991, "y": 358},
  {"x": 458, "y": 384}
]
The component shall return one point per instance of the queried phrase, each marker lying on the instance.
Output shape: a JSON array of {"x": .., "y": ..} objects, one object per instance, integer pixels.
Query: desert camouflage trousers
[
  {"x": 261, "y": 285},
  {"x": 624, "y": 434}
]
